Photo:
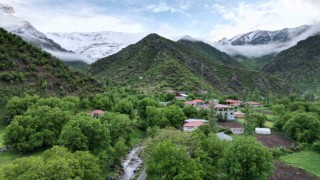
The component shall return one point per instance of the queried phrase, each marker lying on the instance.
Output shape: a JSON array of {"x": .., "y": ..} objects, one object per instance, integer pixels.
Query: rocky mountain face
[
  {"x": 95, "y": 45},
  {"x": 266, "y": 37},
  {"x": 259, "y": 43},
  {"x": 10, "y": 22}
]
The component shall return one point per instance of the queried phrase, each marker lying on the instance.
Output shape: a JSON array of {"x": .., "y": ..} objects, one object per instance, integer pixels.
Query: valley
[{"x": 152, "y": 102}]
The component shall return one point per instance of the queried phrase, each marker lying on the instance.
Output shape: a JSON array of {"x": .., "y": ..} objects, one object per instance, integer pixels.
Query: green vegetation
[
  {"x": 255, "y": 63},
  {"x": 201, "y": 155},
  {"x": 298, "y": 118},
  {"x": 210, "y": 52},
  {"x": 159, "y": 64},
  {"x": 1, "y": 136},
  {"x": 79, "y": 65},
  {"x": 299, "y": 64},
  {"x": 25, "y": 68},
  {"x": 306, "y": 160},
  {"x": 56, "y": 163}
]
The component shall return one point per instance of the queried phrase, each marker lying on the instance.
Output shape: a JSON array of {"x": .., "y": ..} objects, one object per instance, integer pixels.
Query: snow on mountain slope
[
  {"x": 260, "y": 43},
  {"x": 10, "y": 22},
  {"x": 96, "y": 45}
]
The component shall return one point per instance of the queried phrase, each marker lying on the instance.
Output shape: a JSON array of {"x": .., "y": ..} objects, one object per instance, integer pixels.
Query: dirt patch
[
  {"x": 230, "y": 124},
  {"x": 275, "y": 140},
  {"x": 286, "y": 172}
]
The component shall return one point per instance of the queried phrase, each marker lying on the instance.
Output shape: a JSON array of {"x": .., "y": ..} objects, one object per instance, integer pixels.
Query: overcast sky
[{"x": 210, "y": 19}]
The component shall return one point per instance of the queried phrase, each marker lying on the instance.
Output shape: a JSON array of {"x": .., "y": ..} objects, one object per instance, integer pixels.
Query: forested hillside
[
  {"x": 156, "y": 63},
  {"x": 299, "y": 65},
  {"x": 25, "y": 68}
]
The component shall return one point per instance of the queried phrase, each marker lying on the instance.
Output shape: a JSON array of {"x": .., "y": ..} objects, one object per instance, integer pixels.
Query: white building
[
  {"x": 225, "y": 111},
  {"x": 263, "y": 131}
]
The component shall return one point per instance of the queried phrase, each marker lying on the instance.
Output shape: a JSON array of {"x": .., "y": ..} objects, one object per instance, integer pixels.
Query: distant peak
[
  {"x": 6, "y": 9},
  {"x": 153, "y": 35},
  {"x": 188, "y": 38}
]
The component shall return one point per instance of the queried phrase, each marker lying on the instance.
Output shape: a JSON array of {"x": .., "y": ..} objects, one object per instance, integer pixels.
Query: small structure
[
  {"x": 223, "y": 136},
  {"x": 196, "y": 102},
  {"x": 252, "y": 104},
  {"x": 225, "y": 111},
  {"x": 232, "y": 102},
  {"x": 96, "y": 113},
  {"x": 196, "y": 120},
  {"x": 237, "y": 130},
  {"x": 239, "y": 115},
  {"x": 181, "y": 96},
  {"x": 192, "y": 124},
  {"x": 263, "y": 131}
]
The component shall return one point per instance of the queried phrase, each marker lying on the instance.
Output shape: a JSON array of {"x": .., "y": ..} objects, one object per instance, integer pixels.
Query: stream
[{"x": 132, "y": 163}]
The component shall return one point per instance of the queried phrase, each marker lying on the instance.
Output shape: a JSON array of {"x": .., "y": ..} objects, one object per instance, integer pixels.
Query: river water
[{"x": 132, "y": 163}]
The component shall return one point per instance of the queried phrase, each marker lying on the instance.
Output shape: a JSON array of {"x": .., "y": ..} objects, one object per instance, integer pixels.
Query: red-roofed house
[
  {"x": 196, "y": 102},
  {"x": 232, "y": 102},
  {"x": 96, "y": 113},
  {"x": 225, "y": 111},
  {"x": 192, "y": 125},
  {"x": 252, "y": 104}
]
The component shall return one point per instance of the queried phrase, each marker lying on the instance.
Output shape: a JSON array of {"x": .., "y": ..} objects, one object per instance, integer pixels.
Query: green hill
[
  {"x": 157, "y": 64},
  {"x": 299, "y": 64},
  {"x": 210, "y": 52},
  {"x": 25, "y": 68},
  {"x": 79, "y": 65}
]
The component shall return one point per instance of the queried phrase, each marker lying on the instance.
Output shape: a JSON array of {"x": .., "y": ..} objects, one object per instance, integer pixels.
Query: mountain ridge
[{"x": 146, "y": 64}]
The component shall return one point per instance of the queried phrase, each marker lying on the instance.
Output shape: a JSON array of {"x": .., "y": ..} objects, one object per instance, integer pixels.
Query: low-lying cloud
[
  {"x": 70, "y": 56},
  {"x": 253, "y": 51}
]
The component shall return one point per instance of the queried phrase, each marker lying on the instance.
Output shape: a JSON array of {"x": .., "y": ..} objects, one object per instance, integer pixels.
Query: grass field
[
  {"x": 307, "y": 160},
  {"x": 1, "y": 135}
]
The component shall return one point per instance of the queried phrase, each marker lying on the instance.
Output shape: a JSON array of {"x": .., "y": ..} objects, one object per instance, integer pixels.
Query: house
[
  {"x": 192, "y": 124},
  {"x": 263, "y": 131},
  {"x": 214, "y": 101},
  {"x": 96, "y": 113},
  {"x": 223, "y": 136},
  {"x": 239, "y": 115},
  {"x": 252, "y": 104},
  {"x": 232, "y": 102},
  {"x": 196, "y": 102},
  {"x": 226, "y": 111},
  {"x": 235, "y": 127}
]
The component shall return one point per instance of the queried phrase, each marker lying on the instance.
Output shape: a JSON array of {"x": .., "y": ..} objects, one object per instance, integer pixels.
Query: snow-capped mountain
[
  {"x": 96, "y": 45},
  {"x": 266, "y": 37},
  {"x": 10, "y": 22},
  {"x": 260, "y": 43}
]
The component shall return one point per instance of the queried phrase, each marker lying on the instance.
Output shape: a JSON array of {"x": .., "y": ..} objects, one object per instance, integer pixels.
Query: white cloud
[
  {"x": 270, "y": 15},
  {"x": 81, "y": 17},
  {"x": 163, "y": 6}
]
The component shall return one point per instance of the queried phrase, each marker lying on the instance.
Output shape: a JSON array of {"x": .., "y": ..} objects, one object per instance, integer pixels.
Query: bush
[{"x": 316, "y": 146}]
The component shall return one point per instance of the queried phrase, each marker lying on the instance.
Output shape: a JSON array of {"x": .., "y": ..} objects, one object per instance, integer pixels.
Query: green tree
[
  {"x": 175, "y": 115},
  {"x": 125, "y": 107},
  {"x": 36, "y": 128},
  {"x": 303, "y": 127},
  {"x": 119, "y": 125},
  {"x": 169, "y": 161},
  {"x": 156, "y": 117},
  {"x": 142, "y": 106},
  {"x": 245, "y": 158},
  {"x": 17, "y": 106},
  {"x": 55, "y": 163},
  {"x": 84, "y": 133},
  {"x": 190, "y": 111}
]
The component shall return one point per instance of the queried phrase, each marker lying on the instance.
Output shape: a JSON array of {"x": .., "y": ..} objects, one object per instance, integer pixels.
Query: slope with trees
[{"x": 156, "y": 63}]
